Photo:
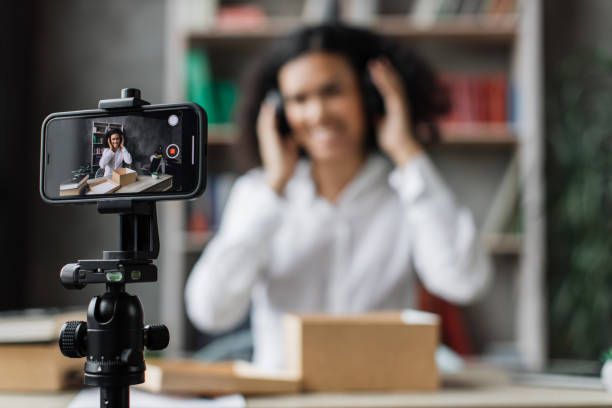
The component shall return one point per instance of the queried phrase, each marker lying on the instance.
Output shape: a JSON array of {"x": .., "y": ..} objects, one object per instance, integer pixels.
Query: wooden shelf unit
[{"x": 515, "y": 38}]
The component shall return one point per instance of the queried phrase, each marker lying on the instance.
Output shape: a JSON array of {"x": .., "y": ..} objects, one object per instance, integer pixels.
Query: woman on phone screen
[{"x": 116, "y": 154}]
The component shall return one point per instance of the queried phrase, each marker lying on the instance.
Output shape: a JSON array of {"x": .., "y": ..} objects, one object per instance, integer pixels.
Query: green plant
[{"x": 579, "y": 209}]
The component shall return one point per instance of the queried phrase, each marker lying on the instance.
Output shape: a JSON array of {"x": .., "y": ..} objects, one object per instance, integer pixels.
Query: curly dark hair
[
  {"x": 428, "y": 98},
  {"x": 113, "y": 131}
]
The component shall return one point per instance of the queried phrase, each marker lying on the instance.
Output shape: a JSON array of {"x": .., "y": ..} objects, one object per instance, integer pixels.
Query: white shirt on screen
[
  {"x": 300, "y": 253},
  {"x": 114, "y": 160}
]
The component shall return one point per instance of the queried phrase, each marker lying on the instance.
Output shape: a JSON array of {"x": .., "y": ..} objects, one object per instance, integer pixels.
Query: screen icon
[
  {"x": 172, "y": 151},
  {"x": 173, "y": 120}
]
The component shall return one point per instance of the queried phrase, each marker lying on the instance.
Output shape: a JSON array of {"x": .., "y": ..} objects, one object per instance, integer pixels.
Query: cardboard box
[
  {"x": 124, "y": 176},
  {"x": 379, "y": 351}
]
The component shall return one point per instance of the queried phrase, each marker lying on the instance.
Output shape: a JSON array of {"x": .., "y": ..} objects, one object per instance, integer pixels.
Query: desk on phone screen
[
  {"x": 148, "y": 184},
  {"x": 143, "y": 184}
]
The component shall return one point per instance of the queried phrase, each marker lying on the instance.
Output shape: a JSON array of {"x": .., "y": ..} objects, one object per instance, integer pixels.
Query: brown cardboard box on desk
[
  {"x": 373, "y": 351},
  {"x": 124, "y": 176}
]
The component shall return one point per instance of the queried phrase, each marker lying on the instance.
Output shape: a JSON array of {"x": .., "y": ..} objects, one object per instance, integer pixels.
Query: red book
[
  {"x": 450, "y": 82},
  {"x": 464, "y": 101},
  {"x": 497, "y": 98}
]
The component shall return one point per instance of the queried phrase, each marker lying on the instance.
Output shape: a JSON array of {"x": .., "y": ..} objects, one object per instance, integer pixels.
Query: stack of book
[
  {"x": 73, "y": 188},
  {"x": 485, "y": 98},
  {"x": 428, "y": 12},
  {"x": 30, "y": 358}
]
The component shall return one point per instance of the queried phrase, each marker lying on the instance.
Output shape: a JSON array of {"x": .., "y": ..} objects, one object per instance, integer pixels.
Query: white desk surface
[
  {"x": 497, "y": 396},
  {"x": 474, "y": 388}
]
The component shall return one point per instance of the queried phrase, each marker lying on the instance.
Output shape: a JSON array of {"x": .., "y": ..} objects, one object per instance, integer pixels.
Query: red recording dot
[{"x": 172, "y": 151}]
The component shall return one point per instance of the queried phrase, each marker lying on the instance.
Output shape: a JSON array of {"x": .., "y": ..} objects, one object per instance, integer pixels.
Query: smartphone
[{"x": 154, "y": 152}]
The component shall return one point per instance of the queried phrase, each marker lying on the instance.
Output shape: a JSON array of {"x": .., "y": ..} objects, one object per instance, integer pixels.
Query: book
[
  {"x": 424, "y": 12},
  {"x": 482, "y": 98},
  {"x": 38, "y": 367},
  {"x": 35, "y": 325},
  {"x": 105, "y": 187},
  {"x": 213, "y": 379},
  {"x": 73, "y": 188},
  {"x": 30, "y": 358}
]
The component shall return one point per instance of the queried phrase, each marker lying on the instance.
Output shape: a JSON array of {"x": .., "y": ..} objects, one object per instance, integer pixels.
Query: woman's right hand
[{"x": 279, "y": 154}]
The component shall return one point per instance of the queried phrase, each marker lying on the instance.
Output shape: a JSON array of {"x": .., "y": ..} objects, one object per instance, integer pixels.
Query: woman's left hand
[
  {"x": 122, "y": 146},
  {"x": 395, "y": 136}
]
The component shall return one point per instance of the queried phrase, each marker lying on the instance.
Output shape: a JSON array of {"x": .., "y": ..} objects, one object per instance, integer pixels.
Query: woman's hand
[
  {"x": 122, "y": 145},
  {"x": 395, "y": 136},
  {"x": 279, "y": 155}
]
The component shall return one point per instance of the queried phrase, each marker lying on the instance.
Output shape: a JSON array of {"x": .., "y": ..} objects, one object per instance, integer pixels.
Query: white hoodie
[
  {"x": 113, "y": 160},
  {"x": 300, "y": 253}
]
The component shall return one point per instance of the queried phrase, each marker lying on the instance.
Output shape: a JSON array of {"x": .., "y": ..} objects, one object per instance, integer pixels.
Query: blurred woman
[{"x": 346, "y": 206}]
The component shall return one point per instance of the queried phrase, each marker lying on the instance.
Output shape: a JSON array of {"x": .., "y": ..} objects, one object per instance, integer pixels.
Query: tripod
[{"x": 114, "y": 337}]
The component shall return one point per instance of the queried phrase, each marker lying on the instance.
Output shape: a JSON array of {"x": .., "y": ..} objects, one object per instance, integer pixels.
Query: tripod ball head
[{"x": 113, "y": 339}]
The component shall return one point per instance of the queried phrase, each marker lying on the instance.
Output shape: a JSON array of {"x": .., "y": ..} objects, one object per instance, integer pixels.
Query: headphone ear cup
[
  {"x": 274, "y": 96},
  {"x": 373, "y": 101},
  {"x": 281, "y": 120}
]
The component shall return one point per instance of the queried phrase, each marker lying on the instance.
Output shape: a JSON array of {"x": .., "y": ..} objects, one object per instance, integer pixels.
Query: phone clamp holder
[{"x": 114, "y": 337}]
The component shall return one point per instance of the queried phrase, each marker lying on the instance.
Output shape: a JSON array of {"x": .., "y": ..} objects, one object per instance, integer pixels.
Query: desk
[
  {"x": 497, "y": 396},
  {"x": 476, "y": 387},
  {"x": 507, "y": 396}
]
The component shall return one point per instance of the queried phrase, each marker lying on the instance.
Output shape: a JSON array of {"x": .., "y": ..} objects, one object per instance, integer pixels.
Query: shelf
[
  {"x": 465, "y": 29},
  {"x": 469, "y": 134},
  {"x": 484, "y": 134},
  {"x": 497, "y": 244},
  {"x": 504, "y": 244}
]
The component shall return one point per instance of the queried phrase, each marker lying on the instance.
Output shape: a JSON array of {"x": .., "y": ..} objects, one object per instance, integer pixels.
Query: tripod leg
[{"x": 115, "y": 397}]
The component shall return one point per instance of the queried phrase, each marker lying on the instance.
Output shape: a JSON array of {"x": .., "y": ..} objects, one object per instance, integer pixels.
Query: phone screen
[{"x": 148, "y": 152}]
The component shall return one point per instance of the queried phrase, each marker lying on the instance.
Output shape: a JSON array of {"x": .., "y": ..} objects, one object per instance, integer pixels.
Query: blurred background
[{"x": 528, "y": 147}]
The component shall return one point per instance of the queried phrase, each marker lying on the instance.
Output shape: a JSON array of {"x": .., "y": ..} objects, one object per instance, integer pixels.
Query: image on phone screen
[{"x": 129, "y": 154}]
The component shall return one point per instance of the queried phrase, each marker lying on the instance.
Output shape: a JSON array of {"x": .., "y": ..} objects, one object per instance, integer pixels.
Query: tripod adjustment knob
[
  {"x": 69, "y": 276},
  {"x": 73, "y": 339},
  {"x": 156, "y": 336}
]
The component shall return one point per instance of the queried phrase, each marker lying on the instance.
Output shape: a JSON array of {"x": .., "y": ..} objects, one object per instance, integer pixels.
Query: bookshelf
[{"x": 507, "y": 44}]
